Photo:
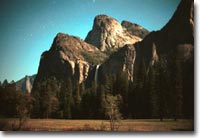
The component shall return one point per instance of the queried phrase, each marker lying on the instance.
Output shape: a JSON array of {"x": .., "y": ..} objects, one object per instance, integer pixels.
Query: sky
[{"x": 28, "y": 27}]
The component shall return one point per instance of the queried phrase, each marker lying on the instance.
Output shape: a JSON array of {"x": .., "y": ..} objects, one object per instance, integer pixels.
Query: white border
[{"x": 143, "y": 135}]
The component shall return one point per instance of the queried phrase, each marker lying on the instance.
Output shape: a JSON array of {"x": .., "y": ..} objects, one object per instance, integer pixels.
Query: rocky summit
[
  {"x": 107, "y": 33},
  {"x": 135, "y": 29},
  {"x": 69, "y": 56}
]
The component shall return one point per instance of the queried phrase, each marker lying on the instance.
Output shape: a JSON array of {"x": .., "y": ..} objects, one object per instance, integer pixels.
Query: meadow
[{"x": 134, "y": 125}]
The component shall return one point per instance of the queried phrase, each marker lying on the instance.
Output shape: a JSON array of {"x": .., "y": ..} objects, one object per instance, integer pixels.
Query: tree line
[{"x": 155, "y": 92}]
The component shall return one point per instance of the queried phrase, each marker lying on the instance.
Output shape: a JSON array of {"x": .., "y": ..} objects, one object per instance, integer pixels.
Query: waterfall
[{"x": 96, "y": 75}]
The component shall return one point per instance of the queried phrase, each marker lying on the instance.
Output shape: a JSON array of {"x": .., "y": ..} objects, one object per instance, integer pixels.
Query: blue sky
[{"x": 27, "y": 27}]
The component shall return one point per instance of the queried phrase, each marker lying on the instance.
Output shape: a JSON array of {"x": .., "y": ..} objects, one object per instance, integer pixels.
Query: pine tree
[
  {"x": 121, "y": 88},
  {"x": 140, "y": 92},
  {"x": 153, "y": 96},
  {"x": 101, "y": 102},
  {"x": 131, "y": 92},
  {"x": 5, "y": 83},
  {"x": 54, "y": 106},
  {"x": 109, "y": 84},
  {"x": 36, "y": 101},
  {"x": 77, "y": 101},
  {"x": 159, "y": 78},
  {"x": 45, "y": 100},
  {"x": 178, "y": 88},
  {"x": 88, "y": 104},
  {"x": 162, "y": 87},
  {"x": 112, "y": 110},
  {"x": 68, "y": 100}
]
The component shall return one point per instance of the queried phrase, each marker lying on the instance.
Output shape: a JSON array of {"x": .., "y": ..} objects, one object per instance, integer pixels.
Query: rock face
[
  {"x": 177, "y": 38},
  {"x": 25, "y": 84},
  {"x": 176, "y": 35},
  {"x": 107, "y": 33},
  {"x": 68, "y": 57},
  {"x": 181, "y": 26},
  {"x": 135, "y": 29},
  {"x": 121, "y": 61}
]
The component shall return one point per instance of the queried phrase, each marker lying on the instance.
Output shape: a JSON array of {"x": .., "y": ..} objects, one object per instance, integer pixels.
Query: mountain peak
[
  {"x": 104, "y": 21},
  {"x": 135, "y": 29},
  {"x": 181, "y": 25},
  {"x": 107, "y": 33}
]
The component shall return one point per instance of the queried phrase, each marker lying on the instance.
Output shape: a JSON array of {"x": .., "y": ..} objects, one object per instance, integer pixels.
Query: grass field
[{"x": 103, "y": 125}]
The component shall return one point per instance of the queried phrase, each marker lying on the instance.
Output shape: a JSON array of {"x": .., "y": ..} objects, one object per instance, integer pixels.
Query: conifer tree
[
  {"x": 45, "y": 100},
  {"x": 131, "y": 94},
  {"x": 178, "y": 88},
  {"x": 153, "y": 96},
  {"x": 121, "y": 88},
  {"x": 112, "y": 110},
  {"x": 101, "y": 102},
  {"x": 68, "y": 100},
  {"x": 5, "y": 83},
  {"x": 36, "y": 101},
  {"x": 77, "y": 101},
  {"x": 140, "y": 94},
  {"x": 109, "y": 84}
]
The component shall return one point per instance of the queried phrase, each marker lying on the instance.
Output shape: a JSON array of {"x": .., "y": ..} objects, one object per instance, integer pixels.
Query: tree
[
  {"x": 112, "y": 110},
  {"x": 15, "y": 104},
  {"x": 36, "y": 100},
  {"x": 68, "y": 100},
  {"x": 121, "y": 86},
  {"x": 24, "y": 107},
  {"x": 9, "y": 98},
  {"x": 109, "y": 84},
  {"x": 45, "y": 100},
  {"x": 131, "y": 97},
  {"x": 5, "y": 83},
  {"x": 161, "y": 83},
  {"x": 77, "y": 101},
  {"x": 178, "y": 89},
  {"x": 88, "y": 104},
  {"x": 101, "y": 102},
  {"x": 153, "y": 96},
  {"x": 176, "y": 86},
  {"x": 140, "y": 96},
  {"x": 54, "y": 104}
]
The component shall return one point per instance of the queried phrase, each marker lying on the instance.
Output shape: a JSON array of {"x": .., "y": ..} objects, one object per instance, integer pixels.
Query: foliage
[
  {"x": 15, "y": 104},
  {"x": 112, "y": 109},
  {"x": 94, "y": 57},
  {"x": 156, "y": 92},
  {"x": 24, "y": 108}
]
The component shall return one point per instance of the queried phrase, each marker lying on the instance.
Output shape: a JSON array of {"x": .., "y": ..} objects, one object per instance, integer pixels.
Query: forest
[{"x": 156, "y": 92}]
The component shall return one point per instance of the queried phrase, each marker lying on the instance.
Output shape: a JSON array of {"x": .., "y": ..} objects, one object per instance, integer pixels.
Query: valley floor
[{"x": 104, "y": 125}]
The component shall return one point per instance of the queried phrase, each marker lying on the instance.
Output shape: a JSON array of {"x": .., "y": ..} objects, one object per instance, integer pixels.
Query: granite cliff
[{"x": 107, "y": 33}]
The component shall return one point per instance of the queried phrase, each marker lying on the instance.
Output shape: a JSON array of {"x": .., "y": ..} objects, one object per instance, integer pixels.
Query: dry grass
[{"x": 103, "y": 125}]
